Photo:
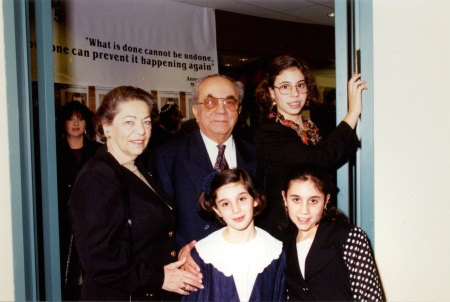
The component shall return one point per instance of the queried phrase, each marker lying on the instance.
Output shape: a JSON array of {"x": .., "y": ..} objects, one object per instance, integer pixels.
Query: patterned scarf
[{"x": 311, "y": 135}]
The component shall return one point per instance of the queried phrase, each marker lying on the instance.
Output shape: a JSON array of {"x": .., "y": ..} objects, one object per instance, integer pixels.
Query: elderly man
[{"x": 181, "y": 165}]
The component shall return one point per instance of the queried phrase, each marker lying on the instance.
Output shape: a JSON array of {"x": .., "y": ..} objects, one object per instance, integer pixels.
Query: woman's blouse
[
  {"x": 302, "y": 251},
  {"x": 309, "y": 136}
]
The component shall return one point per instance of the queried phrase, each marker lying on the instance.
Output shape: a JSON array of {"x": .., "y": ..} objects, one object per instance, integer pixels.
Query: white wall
[
  {"x": 412, "y": 151},
  {"x": 6, "y": 255}
]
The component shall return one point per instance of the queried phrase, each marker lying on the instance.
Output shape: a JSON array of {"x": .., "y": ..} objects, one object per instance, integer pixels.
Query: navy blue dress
[{"x": 269, "y": 284}]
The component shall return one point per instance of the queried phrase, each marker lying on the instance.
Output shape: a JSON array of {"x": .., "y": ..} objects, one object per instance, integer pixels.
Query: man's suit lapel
[
  {"x": 244, "y": 156},
  {"x": 197, "y": 162}
]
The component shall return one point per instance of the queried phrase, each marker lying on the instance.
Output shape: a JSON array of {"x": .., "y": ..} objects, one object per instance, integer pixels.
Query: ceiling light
[
  {"x": 228, "y": 64},
  {"x": 243, "y": 59},
  {"x": 331, "y": 15}
]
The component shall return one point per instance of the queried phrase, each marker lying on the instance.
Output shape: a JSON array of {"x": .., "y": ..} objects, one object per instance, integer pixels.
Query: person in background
[
  {"x": 123, "y": 222},
  {"x": 73, "y": 149},
  {"x": 288, "y": 138},
  {"x": 239, "y": 262},
  {"x": 328, "y": 259},
  {"x": 168, "y": 126},
  {"x": 181, "y": 165}
]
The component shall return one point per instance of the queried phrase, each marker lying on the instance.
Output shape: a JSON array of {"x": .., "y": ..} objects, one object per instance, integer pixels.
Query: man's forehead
[{"x": 216, "y": 85}]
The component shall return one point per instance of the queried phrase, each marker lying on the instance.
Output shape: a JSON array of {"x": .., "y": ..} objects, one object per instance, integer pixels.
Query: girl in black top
[
  {"x": 287, "y": 138},
  {"x": 328, "y": 259}
]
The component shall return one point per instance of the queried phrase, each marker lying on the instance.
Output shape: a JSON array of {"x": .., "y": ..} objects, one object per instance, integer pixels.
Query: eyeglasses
[
  {"x": 229, "y": 103},
  {"x": 286, "y": 89}
]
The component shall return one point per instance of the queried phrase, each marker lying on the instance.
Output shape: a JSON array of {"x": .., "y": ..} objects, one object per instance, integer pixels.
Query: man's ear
[{"x": 195, "y": 110}]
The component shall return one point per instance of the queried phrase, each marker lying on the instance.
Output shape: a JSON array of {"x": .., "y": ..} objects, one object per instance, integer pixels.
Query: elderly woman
[{"x": 123, "y": 222}]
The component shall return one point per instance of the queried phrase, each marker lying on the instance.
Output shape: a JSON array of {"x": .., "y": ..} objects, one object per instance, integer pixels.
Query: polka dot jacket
[{"x": 339, "y": 267}]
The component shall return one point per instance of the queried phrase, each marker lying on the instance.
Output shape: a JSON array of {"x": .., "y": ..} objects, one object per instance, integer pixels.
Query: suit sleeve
[
  {"x": 358, "y": 257},
  {"x": 102, "y": 238},
  {"x": 277, "y": 143}
]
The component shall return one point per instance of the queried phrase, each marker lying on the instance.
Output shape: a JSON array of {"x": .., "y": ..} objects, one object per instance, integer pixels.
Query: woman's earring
[
  {"x": 286, "y": 208},
  {"x": 273, "y": 102},
  {"x": 107, "y": 134},
  {"x": 85, "y": 132}
]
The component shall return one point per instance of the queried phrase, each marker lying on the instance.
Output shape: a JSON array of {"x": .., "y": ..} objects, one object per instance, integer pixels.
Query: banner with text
[{"x": 158, "y": 45}]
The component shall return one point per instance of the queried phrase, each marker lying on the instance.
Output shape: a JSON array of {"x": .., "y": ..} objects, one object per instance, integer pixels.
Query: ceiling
[
  {"x": 301, "y": 11},
  {"x": 313, "y": 12}
]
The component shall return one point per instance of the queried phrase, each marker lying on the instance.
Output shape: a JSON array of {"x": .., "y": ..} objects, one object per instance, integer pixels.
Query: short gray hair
[{"x": 195, "y": 90}]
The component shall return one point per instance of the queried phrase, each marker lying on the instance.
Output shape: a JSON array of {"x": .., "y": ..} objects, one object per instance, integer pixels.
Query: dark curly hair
[
  {"x": 238, "y": 175},
  {"x": 111, "y": 101},
  {"x": 70, "y": 109},
  {"x": 323, "y": 183},
  {"x": 277, "y": 66}
]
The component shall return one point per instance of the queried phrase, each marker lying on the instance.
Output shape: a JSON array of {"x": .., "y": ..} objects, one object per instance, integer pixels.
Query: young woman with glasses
[{"x": 287, "y": 138}]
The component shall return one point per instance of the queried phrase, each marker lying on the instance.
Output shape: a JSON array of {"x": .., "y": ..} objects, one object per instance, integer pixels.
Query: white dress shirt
[{"x": 230, "y": 150}]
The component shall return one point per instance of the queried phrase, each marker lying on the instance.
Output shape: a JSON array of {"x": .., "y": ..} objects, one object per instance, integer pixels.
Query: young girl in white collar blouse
[
  {"x": 328, "y": 259},
  {"x": 239, "y": 262}
]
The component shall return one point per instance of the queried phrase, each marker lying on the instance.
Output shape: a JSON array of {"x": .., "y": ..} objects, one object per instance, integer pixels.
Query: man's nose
[{"x": 220, "y": 107}]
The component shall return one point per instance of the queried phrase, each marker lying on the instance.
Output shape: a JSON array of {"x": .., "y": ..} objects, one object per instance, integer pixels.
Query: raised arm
[{"x": 355, "y": 88}]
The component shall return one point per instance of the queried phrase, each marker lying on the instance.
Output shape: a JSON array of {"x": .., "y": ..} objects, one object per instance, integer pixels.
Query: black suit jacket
[
  {"x": 327, "y": 276},
  {"x": 123, "y": 231},
  {"x": 279, "y": 149},
  {"x": 180, "y": 166}
]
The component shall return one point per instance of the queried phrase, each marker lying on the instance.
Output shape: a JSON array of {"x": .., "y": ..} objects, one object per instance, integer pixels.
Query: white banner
[{"x": 153, "y": 44}]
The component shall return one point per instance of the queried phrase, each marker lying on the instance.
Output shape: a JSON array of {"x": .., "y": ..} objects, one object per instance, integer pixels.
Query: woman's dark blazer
[
  {"x": 329, "y": 276},
  {"x": 123, "y": 231},
  {"x": 279, "y": 148}
]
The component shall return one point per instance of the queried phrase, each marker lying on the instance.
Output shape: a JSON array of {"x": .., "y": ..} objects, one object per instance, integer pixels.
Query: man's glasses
[
  {"x": 286, "y": 89},
  {"x": 229, "y": 103}
]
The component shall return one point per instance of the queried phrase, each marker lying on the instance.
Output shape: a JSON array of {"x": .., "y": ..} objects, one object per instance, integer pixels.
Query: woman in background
[
  {"x": 288, "y": 138},
  {"x": 167, "y": 127},
  {"x": 73, "y": 149},
  {"x": 123, "y": 222}
]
